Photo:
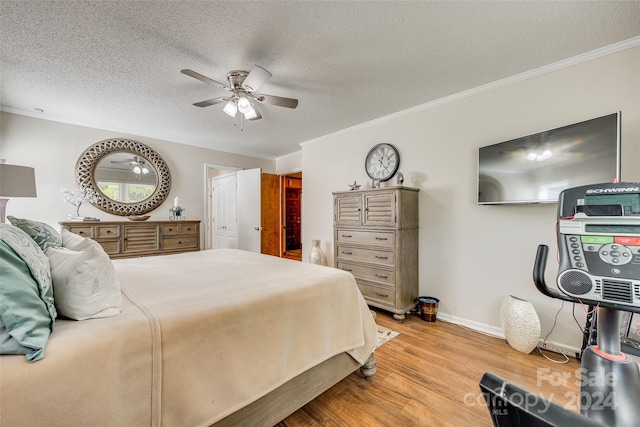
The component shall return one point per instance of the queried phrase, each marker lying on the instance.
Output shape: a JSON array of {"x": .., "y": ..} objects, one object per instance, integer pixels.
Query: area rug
[{"x": 385, "y": 335}]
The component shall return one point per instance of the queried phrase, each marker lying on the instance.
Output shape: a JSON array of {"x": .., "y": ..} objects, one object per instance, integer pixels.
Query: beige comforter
[{"x": 201, "y": 335}]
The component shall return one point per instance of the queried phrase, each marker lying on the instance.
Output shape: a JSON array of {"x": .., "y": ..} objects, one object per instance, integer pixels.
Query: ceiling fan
[
  {"x": 139, "y": 164},
  {"x": 242, "y": 86}
]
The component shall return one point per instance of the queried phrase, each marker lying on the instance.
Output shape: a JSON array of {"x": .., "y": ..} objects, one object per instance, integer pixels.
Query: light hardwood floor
[{"x": 429, "y": 376}]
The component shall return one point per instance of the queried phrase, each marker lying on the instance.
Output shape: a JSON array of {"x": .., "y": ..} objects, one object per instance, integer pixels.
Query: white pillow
[
  {"x": 85, "y": 283},
  {"x": 71, "y": 240}
]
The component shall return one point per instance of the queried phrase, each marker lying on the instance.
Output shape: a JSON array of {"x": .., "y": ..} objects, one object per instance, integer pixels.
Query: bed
[{"x": 217, "y": 337}]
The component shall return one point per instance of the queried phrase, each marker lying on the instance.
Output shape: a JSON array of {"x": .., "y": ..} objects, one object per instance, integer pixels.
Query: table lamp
[{"x": 15, "y": 181}]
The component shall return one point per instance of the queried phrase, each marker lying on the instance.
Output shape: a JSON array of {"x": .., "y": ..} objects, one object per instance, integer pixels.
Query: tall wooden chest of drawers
[
  {"x": 130, "y": 239},
  {"x": 376, "y": 239}
]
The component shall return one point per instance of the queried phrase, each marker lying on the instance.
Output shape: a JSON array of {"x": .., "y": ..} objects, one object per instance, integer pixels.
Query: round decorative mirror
[{"x": 127, "y": 177}]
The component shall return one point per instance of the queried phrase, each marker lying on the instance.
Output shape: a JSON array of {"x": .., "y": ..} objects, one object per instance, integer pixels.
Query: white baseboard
[{"x": 499, "y": 333}]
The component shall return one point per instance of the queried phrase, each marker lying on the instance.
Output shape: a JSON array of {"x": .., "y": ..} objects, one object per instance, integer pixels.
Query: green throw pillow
[
  {"x": 27, "y": 310},
  {"x": 43, "y": 234}
]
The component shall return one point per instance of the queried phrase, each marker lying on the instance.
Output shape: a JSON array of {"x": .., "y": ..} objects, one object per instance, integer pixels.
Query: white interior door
[
  {"x": 249, "y": 224},
  {"x": 225, "y": 218}
]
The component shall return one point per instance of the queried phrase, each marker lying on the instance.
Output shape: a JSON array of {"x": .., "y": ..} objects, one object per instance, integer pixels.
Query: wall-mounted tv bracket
[{"x": 598, "y": 233}]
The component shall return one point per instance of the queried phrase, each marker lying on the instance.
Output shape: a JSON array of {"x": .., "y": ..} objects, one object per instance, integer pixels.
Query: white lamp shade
[
  {"x": 17, "y": 181},
  {"x": 251, "y": 114},
  {"x": 244, "y": 106},
  {"x": 230, "y": 108}
]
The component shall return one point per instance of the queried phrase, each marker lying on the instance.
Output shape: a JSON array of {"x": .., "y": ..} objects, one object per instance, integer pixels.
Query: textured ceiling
[{"x": 116, "y": 64}]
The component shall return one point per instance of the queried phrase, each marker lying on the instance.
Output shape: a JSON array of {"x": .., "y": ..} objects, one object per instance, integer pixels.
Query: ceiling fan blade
[
  {"x": 256, "y": 78},
  {"x": 277, "y": 100},
  {"x": 209, "y": 102},
  {"x": 205, "y": 79}
]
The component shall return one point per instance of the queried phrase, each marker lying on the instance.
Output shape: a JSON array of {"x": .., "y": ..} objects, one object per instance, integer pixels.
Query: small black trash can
[{"x": 428, "y": 308}]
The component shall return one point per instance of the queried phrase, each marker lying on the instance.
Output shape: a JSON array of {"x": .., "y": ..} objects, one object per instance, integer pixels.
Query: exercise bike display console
[
  {"x": 599, "y": 245},
  {"x": 598, "y": 234}
]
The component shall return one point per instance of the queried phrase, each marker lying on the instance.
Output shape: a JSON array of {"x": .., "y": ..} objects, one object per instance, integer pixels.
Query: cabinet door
[
  {"x": 140, "y": 238},
  {"x": 348, "y": 209},
  {"x": 380, "y": 208}
]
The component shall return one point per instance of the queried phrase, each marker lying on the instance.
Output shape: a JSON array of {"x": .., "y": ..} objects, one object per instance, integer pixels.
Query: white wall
[
  {"x": 472, "y": 257},
  {"x": 53, "y": 148}
]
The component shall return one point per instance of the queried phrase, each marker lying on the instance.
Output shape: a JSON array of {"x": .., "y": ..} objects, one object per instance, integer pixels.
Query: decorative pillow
[
  {"x": 85, "y": 283},
  {"x": 71, "y": 240},
  {"x": 27, "y": 310},
  {"x": 43, "y": 234}
]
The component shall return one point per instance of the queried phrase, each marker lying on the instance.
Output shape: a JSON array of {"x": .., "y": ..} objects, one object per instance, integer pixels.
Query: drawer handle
[
  {"x": 382, "y": 238},
  {"x": 347, "y": 269},
  {"x": 171, "y": 229},
  {"x": 108, "y": 231},
  {"x": 180, "y": 242},
  {"x": 381, "y": 276},
  {"x": 382, "y": 295},
  {"x": 347, "y": 235},
  {"x": 80, "y": 232},
  {"x": 347, "y": 253},
  {"x": 382, "y": 257}
]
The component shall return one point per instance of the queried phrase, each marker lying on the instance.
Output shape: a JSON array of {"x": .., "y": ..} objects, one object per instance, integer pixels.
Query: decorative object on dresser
[
  {"x": 176, "y": 211},
  {"x": 376, "y": 239},
  {"x": 382, "y": 162},
  {"x": 133, "y": 239},
  {"x": 111, "y": 169},
  {"x": 76, "y": 197}
]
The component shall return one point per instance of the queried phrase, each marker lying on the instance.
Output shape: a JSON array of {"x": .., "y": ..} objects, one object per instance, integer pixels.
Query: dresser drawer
[
  {"x": 348, "y": 253},
  {"x": 378, "y": 238},
  {"x": 179, "y": 242},
  {"x": 111, "y": 247},
  {"x": 369, "y": 273},
  {"x": 82, "y": 230},
  {"x": 107, "y": 231},
  {"x": 187, "y": 229},
  {"x": 377, "y": 293},
  {"x": 170, "y": 229}
]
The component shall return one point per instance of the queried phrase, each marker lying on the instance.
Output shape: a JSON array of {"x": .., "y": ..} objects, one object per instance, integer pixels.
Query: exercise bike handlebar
[
  {"x": 539, "y": 268},
  {"x": 538, "y": 275}
]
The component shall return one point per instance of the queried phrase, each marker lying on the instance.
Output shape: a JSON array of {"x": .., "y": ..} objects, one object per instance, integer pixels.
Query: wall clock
[{"x": 382, "y": 162}]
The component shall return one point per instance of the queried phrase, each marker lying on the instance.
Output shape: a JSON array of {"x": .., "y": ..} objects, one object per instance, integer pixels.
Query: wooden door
[{"x": 270, "y": 214}]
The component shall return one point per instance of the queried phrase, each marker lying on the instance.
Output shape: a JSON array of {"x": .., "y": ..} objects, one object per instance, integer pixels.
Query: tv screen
[{"x": 536, "y": 168}]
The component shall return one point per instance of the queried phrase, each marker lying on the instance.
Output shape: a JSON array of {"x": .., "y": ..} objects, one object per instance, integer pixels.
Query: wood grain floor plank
[{"x": 429, "y": 376}]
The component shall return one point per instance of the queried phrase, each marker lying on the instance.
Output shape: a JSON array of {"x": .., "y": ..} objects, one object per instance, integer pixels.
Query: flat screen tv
[{"x": 536, "y": 168}]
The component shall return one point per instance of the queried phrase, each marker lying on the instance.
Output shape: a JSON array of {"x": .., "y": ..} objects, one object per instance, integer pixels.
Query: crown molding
[{"x": 569, "y": 62}]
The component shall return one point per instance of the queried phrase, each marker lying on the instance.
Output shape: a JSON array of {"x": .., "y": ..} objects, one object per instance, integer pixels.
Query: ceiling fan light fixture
[
  {"x": 244, "y": 106},
  {"x": 251, "y": 114},
  {"x": 230, "y": 108},
  {"x": 137, "y": 170}
]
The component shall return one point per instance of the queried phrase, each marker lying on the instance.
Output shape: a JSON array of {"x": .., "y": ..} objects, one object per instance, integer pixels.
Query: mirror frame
[{"x": 89, "y": 159}]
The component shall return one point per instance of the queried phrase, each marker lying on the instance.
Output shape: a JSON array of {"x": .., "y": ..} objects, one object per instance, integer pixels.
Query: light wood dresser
[
  {"x": 376, "y": 239},
  {"x": 127, "y": 239}
]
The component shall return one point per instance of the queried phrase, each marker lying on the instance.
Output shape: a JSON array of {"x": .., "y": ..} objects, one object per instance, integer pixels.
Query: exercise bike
[{"x": 598, "y": 232}]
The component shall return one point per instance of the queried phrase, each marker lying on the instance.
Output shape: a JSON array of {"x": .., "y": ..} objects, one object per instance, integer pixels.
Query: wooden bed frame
[{"x": 297, "y": 392}]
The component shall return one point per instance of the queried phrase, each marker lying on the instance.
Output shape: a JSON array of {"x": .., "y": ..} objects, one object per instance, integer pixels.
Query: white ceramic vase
[
  {"x": 316, "y": 255},
  {"x": 520, "y": 323}
]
